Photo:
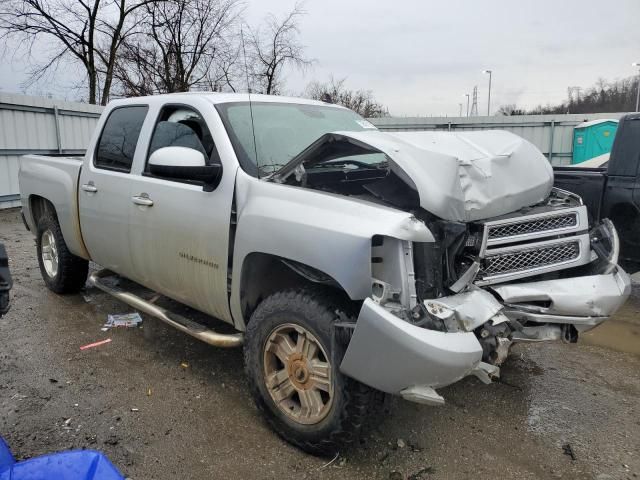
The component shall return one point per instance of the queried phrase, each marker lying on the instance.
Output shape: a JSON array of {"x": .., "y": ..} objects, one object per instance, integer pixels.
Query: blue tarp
[{"x": 70, "y": 465}]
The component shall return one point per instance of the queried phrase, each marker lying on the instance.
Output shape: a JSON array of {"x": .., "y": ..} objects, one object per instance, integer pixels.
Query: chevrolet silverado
[{"x": 349, "y": 261}]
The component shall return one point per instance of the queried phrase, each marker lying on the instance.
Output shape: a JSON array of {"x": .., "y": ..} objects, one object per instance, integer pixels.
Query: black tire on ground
[
  {"x": 72, "y": 271},
  {"x": 315, "y": 311}
]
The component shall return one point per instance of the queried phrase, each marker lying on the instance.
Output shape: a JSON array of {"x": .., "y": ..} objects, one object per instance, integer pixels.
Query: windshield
[{"x": 282, "y": 130}]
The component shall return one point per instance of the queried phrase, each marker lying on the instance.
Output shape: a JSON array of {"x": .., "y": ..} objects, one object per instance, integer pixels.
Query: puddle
[
  {"x": 615, "y": 334},
  {"x": 622, "y": 331}
]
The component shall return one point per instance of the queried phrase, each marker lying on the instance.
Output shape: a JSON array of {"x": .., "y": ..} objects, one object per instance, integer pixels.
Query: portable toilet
[{"x": 592, "y": 139}]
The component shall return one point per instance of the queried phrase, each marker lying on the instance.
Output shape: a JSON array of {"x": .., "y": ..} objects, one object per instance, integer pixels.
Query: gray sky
[{"x": 421, "y": 57}]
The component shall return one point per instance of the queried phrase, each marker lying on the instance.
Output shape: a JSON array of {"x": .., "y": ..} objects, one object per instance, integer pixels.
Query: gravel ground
[{"x": 164, "y": 406}]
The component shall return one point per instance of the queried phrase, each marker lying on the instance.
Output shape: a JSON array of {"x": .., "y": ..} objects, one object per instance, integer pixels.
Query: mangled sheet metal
[
  {"x": 462, "y": 176},
  {"x": 466, "y": 311}
]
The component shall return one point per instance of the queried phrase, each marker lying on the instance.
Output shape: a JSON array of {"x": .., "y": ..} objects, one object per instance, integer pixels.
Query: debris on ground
[
  {"x": 125, "y": 320},
  {"x": 330, "y": 462},
  {"x": 401, "y": 443},
  {"x": 422, "y": 473},
  {"x": 396, "y": 475},
  {"x": 383, "y": 456},
  {"x": 184, "y": 365},
  {"x": 567, "y": 450},
  {"x": 96, "y": 344}
]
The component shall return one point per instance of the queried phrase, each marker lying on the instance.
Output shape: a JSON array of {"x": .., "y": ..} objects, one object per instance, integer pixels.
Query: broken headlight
[{"x": 605, "y": 245}]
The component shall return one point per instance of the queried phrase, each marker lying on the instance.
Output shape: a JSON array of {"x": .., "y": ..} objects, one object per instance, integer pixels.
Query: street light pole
[
  {"x": 637, "y": 64},
  {"x": 467, "y": 95},
  {"x": 489, "y": 99}
]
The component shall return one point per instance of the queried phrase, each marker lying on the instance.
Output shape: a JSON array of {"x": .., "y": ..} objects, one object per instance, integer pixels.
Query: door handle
[
  {"x": 89, "y": 187},
  {"x": 143, "y": 200}
]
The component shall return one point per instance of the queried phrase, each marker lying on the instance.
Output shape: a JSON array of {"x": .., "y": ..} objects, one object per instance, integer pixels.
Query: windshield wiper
[
  {"x": 269, "y": 169},
  {"x": 356, "y": 163}
]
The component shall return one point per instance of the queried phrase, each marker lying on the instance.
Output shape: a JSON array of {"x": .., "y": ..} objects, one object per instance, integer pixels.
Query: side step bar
[{"x": 183, "y": 324}]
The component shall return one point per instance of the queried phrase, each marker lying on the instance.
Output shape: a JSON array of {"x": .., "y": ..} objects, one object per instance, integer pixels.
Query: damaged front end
[
  {"x": 511, "y": 258},
  {"x": 457, "y": 305}
]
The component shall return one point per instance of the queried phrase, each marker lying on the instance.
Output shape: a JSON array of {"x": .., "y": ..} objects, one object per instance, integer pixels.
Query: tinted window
[
  {"x": 119, "y": 138},
  {"x": 179, "y": 126}
]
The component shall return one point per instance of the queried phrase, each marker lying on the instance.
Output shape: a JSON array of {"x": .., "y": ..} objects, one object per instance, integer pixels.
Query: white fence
[
  {"x": 39, "y": 125},
  {"x": 552, "y": 134}
]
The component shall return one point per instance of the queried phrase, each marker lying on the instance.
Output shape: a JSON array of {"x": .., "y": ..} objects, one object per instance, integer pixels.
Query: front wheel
[
  {"x": 61, "y": 270},
  {"x": 292, "y": 366}
]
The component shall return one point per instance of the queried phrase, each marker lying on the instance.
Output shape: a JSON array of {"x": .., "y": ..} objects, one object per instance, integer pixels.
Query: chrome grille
[
  {"x": 528, "y": 259},
  {"x": 555, "y": 222}
]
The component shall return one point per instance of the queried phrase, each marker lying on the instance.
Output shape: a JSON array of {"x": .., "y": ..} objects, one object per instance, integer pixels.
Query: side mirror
[{"x": 182, "y": 163}]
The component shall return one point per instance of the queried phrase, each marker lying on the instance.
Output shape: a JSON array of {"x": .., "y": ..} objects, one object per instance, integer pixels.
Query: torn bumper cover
[
  {"x": 583, "y": 302},
  {"x": 413, "y": 361},
  {"x": 408, "y": 356}
]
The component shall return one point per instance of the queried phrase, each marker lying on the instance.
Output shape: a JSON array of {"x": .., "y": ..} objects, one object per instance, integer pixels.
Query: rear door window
[{"x": 119, "y": 138}]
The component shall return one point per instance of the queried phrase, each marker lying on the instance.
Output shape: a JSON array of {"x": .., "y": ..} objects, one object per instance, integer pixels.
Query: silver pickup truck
[{"x": 349, "y": 261}]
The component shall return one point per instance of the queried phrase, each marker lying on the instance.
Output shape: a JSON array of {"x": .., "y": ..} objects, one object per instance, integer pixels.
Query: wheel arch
[
  {"x": 39, "y": 205},
  {"x": 263, "y": 274}
]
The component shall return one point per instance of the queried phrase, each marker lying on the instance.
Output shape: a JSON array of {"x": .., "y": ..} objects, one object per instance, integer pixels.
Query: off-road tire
[
  {"x": 72, "y": 270},
  {"x": 315, "y": 311}
]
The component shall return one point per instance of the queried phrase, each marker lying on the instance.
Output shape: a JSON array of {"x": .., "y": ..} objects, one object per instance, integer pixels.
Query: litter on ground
[
  {"x": 126, "y": 320},
  {"x": 96, "y": 344}
]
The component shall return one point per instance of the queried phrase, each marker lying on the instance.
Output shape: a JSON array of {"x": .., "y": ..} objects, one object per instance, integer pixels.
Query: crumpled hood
[{"x": 465, "y": 176}]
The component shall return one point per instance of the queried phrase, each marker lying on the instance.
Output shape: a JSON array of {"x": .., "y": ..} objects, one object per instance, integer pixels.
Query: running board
[{"x": 183, "y": 324}]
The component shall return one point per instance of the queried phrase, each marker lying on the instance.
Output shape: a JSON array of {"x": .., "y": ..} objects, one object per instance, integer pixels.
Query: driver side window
[{"x": 180, "y": 126}]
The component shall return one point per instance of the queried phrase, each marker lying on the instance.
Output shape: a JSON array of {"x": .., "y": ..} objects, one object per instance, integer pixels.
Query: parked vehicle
[
  {"x": 350, "y": 261},
  {"x": 613, "y": 189},
  {"x": 5, "y": 281}
]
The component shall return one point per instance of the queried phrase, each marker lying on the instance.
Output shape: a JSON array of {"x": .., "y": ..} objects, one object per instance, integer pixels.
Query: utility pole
[
  {"x": 467, "y": 95},
  {"x": 637, "y": 64},
  {"x": 489, "y": 97},
  {"x": 460, "y": 109},
  {"x": 474, "y": 104}
]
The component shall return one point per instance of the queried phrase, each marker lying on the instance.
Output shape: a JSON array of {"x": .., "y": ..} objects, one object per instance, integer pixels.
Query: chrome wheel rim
[
  {"x": 49, "y": 253},
  {"x": 298, "y": 374}
]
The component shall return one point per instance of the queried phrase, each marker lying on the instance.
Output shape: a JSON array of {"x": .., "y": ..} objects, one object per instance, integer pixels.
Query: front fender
[{"x": 329, "y": 232}]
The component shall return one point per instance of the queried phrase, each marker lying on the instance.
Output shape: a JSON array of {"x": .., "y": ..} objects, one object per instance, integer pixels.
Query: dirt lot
[{"x": 158, "y": 419}]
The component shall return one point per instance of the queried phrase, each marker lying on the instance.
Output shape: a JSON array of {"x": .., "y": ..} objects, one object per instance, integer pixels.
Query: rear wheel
[
  {"x": 292, "y": 366},
  {"x": 62, "y": 271}
]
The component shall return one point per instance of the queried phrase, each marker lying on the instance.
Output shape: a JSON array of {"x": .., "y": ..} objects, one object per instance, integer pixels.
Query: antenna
[{"x": 253, "y": 127}]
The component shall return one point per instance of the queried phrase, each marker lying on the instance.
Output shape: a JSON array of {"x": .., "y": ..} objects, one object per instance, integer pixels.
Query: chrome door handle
[
  {"x": 89, "y": 187},
  {"x": 143, "y": 200}
]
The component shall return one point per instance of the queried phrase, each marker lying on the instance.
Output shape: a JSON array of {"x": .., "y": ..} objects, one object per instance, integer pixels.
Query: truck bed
[
  {"x": 55, "y": 179},
  {"x": 589, "y": 183}
]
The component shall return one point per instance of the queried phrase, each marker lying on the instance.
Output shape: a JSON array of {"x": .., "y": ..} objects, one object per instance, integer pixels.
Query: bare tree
[
  {"x": 78, "y": 31},
  {"x": 273, "y": 46},
  {"x": 335, "y": 91},
  {"x": 180, "y": 45},
  {"x": 617, "y": 96},
  {"x": 510, "y": 109}
]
